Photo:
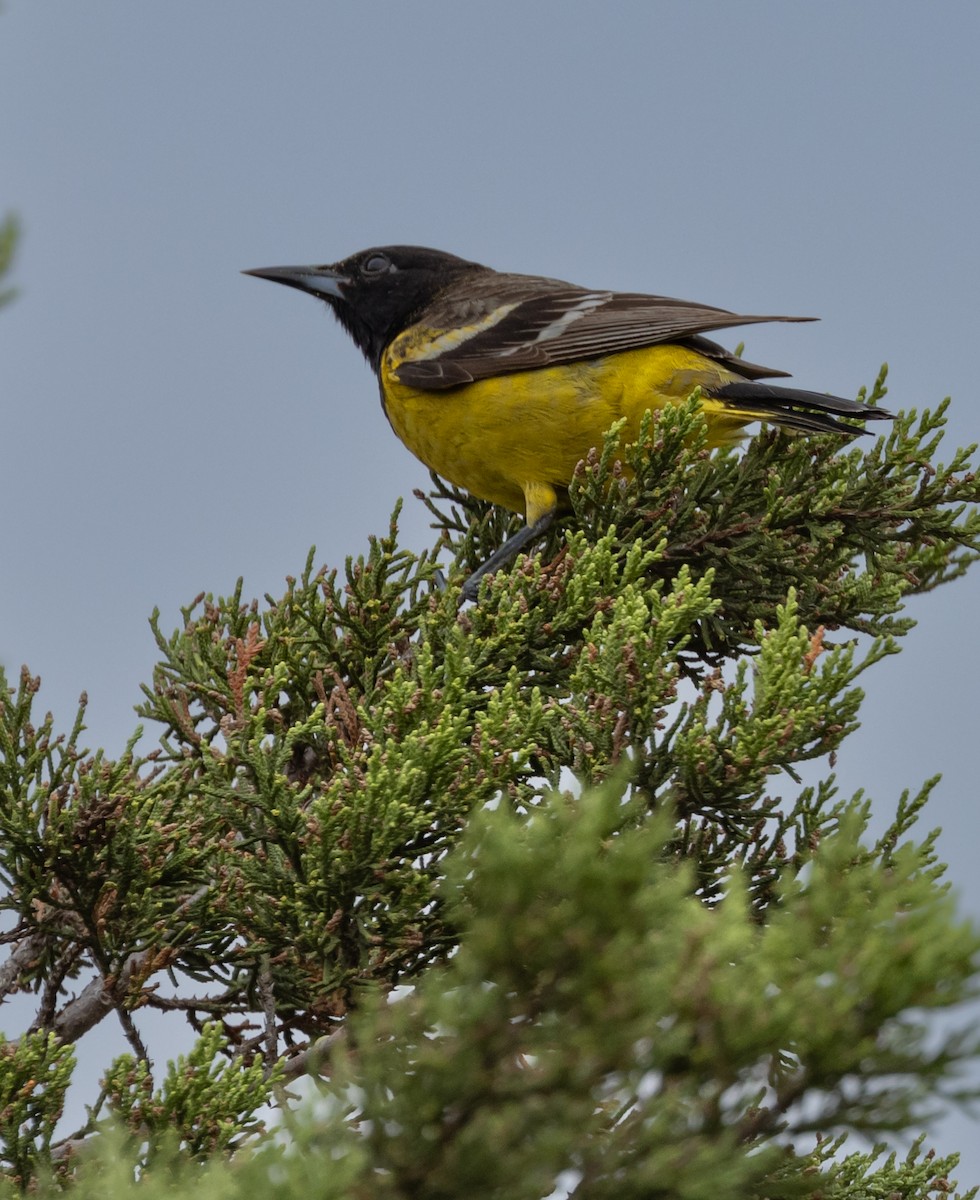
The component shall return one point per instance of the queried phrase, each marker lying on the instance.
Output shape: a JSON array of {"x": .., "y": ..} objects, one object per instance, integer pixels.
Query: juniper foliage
[
  {"x": 533, "y": 885},
  {"x": 9, "y": 230}
]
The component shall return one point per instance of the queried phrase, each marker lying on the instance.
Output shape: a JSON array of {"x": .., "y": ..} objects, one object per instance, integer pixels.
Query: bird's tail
[{"x": 794, "y": 408}]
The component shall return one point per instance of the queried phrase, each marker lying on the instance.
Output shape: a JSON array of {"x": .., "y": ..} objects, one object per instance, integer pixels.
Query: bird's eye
[{"x": 376, "y": 264}]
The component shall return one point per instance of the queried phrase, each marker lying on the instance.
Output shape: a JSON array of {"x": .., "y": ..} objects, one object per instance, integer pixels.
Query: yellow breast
[{"x": 516, "y": 439}]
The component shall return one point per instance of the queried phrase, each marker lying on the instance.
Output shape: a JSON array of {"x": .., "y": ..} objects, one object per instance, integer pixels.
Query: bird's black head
[{"x": 376, "y": 293}]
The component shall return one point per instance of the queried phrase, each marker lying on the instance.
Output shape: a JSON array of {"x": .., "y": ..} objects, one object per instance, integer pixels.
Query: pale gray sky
[{"x": 170, "y": 425}]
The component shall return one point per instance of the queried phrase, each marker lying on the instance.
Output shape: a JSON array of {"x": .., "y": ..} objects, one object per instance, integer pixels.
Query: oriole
[{"x": 502, "y": 383}]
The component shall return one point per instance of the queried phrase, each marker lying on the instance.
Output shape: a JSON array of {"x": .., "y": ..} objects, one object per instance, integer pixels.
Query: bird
[{"x": 502, "y": 383}]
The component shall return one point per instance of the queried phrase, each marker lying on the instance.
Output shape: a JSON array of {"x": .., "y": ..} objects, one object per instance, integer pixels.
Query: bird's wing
[{"x": 520, "y": 323}]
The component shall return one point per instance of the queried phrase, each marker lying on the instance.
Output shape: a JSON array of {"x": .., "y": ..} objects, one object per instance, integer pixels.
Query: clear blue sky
[{"x": 170, "y": 425}]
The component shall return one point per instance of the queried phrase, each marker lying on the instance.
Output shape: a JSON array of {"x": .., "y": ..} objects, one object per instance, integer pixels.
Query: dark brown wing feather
[{"x": 553, "y": 323}]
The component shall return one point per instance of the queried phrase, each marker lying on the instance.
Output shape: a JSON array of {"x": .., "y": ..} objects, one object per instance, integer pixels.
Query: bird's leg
[{"x": 508, "y": 551}]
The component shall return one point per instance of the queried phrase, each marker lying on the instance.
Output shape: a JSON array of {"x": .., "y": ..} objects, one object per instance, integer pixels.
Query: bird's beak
[{"x": 325, "y": 282}]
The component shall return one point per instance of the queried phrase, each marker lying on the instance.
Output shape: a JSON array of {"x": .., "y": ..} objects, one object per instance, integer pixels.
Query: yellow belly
[{"x": 516, "y": 439}]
